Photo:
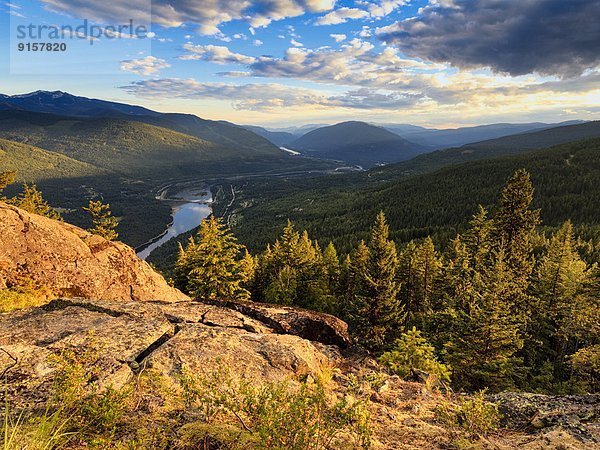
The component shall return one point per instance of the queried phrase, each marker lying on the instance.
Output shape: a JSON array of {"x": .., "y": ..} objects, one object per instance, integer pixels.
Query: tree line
[{"x": 504, "y": 306}]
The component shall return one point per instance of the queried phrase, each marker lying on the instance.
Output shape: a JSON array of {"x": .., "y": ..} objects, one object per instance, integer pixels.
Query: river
[{"x": 190, "y": 208}]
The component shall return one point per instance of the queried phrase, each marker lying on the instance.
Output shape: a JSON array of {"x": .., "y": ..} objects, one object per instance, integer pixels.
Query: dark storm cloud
[{"x": 552, "y": 37}]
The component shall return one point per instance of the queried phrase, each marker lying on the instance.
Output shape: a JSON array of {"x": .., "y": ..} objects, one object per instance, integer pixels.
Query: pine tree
[
  {"x": 7, "y": 178},
  {"x": 352, "y": 285},
  {"x": 209, "y": 267},
  {"x": 31, "y": 200},
  {"x": 514, "y": 224},
  {"x": 558, "y": 281},
  {"x": 478, "y": 238},
  {"x": 428, "y": 270},
  {"x": 379, "y": 309},
  {"x": 103, "y": 223},
  {"x": 486, "y": 337}
]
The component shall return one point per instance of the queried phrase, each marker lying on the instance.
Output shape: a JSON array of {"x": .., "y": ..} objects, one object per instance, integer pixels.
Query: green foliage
[
  {"x": 374, "y": 308},
  {"x": 31, "y": 200},
  {"x": 34, "y": 164},
  {"x": 586, "y": 364},
  {"x": 21, "y": 431},
  {"x": 476, "y": 416},
  {"x": 438, "y": 203},
  {"x": 413, "y": 353},
  {"x": 93, "y": 411},
  {"x": 209, "y": 267},
  {"x": 279, "y": 415},
  {"x": 294, "y": 271},
  {"x": 6, "y": 178},
  {"x": 103, "y": 224}
]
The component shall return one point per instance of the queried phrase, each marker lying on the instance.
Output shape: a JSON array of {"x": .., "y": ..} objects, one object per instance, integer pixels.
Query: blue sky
[{"x": 285, "y": 62}]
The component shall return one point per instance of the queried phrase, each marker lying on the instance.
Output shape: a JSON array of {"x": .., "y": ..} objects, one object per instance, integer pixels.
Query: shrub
[
  {"x": 476, "y": 416},
  {"x": 274, "y": 415},
  {"x": 92, "y": 410},
  {"x": 413, "y": 353}
]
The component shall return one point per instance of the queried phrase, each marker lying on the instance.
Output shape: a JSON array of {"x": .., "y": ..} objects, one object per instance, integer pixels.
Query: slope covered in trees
[
  {"x": 341, "y": 209},
  {"x": 502, "y": 305},
  {"x": 34, "y": 164},
  {"x": 509, "y": 145},
  {"x": 65, "y": 104},
  {"x": 356, "y": 143},
  {"x": 132, "y": 148}
]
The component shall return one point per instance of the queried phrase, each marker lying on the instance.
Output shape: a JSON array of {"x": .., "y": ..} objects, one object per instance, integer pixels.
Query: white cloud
[
  {"x": 207, "y": 14},
  {"x": 341, "y": 15},
  {"x": 385, "y": 7},
  {"x": 338, "y": 37},
  {"x": 295, "y": 43},
  {"x": 257, "y": 43},
  {"x": 215, "y": 53},
  {"x": 269, "y": 96},
  {"x": 149, "y": 65}
]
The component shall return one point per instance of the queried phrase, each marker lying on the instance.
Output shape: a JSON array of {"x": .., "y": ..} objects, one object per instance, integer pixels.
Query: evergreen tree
[
  {"x": 353, "y": 285},
  {"x": 514, "y": 224},
  {"x": 103, "y": 223},
  {"x": 31, "y": 200},
  {"x": 485, "y": 337},
  {"x": 428, "y": 269},
  {"x": 7, "y": 178},
  {"x": 294, "y": 271},
  {"x": 412, "y": 353},
  {"x": 558, "y": 281},
  {"x": 380, "y": 312},
  {"x": 478, "y": 239},
  {"x": 209, "y": 267}
]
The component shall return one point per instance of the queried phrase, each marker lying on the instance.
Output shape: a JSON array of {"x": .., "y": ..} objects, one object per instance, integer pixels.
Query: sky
[{"x": 438, "y": 63}]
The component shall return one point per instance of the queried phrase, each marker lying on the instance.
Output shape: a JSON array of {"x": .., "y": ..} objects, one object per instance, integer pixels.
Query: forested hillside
[
  {"x": 501, "y": 305},
  {"x": 34, "y": 164},
  {"x": 508, "y": 145},
  {"x": 132, "y": 148},
  {"x": 357, "y": 143},
  {"x": 566, "y": 179}
]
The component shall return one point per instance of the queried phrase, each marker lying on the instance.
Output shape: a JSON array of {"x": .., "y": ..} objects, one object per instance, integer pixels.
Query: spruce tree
[
  {"x": 485, "y": 336},
  {"x": 103, "y": 223},
  {"x": 558, "y": 280},
  {"x": 209, "y": 266},
  {"x": 31, "y": 200},
  {"x": 381, "y": 313},
  {"x": 7, "y": 178},
  {"x": 514, "y": 224}
]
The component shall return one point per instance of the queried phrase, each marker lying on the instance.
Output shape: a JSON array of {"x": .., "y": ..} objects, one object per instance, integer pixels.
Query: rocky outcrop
[
  {"x": 164, "y": 336},
  {"x": 310, "y": 325},
  {"x": 579, "y": 415},
  {"x": 70, "y": 262}
]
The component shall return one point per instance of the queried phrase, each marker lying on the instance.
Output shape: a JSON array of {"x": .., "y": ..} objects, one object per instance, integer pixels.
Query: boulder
[
  {"x": 307, "y": 324},
  {"x": 70, "y": 262}
]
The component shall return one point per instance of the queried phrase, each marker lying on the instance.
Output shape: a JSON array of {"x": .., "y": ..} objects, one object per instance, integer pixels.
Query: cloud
[
  {"x": 268, "y": 96},
  {"x": 149, "y": 65},
  {"x": 385, "y": 7},
  {"x": 207, "y": 14},
  {"x": 214, "y": 53},
  {"x": 338, "y": 37},
  {"x": 341, "y": 15},
  {"x": 295, "y": 43},
  {"x": 550, "y": 37}
]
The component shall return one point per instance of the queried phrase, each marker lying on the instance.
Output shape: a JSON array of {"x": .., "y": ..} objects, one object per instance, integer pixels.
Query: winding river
[{"x": 190, "y": 208}]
